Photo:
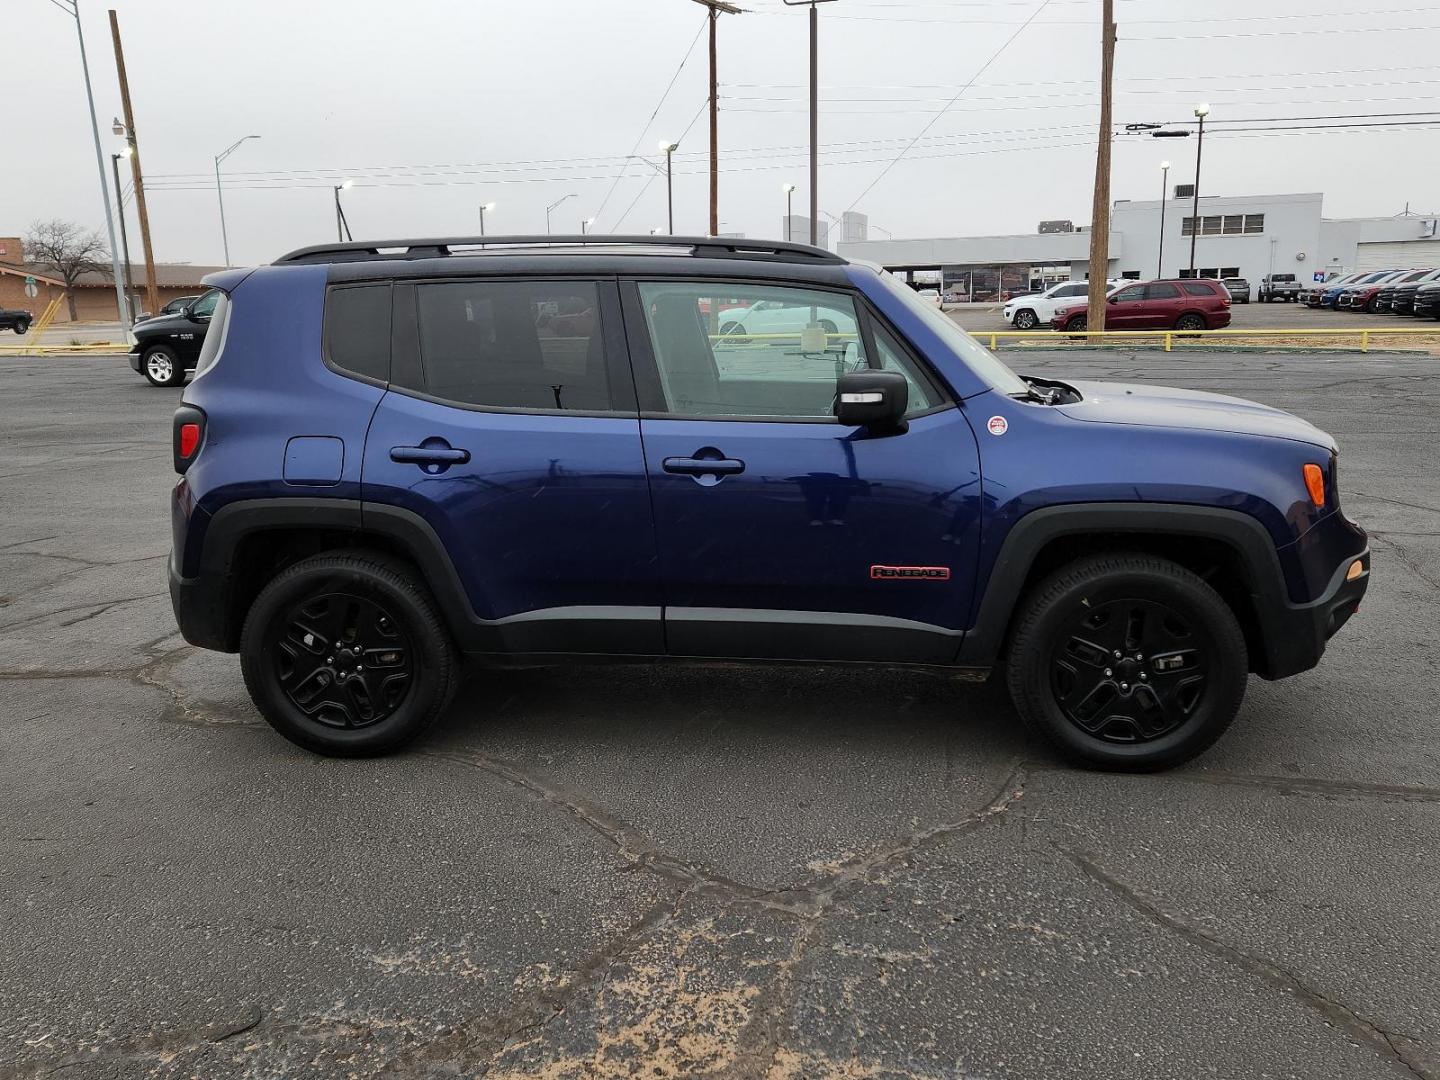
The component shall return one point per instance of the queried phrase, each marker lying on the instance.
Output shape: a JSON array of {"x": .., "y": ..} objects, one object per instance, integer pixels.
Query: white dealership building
[{"x": 1239, "y": 236}]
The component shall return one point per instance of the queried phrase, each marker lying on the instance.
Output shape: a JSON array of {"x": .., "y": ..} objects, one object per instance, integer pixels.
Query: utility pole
[
  {"x": 1100, "y": 211},
  {"x": 1201, "y": 111},
  {"x": 669, "y": 148},
  {"x": 152, "y": 291},
  {"x": 715, "y": 7},
  {"x": 483, "y": 208},
  {"x": 814, "y": 115},
  {"x": 124, "y": 240}
]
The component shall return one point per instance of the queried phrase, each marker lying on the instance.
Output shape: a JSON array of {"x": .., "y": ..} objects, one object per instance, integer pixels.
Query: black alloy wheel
[
  {"x": 1129, "y": 671},
  {"x": 345, "y": 654},
  {"x": 1127, "y": 662},
  {"x": 342, "y": 659}
]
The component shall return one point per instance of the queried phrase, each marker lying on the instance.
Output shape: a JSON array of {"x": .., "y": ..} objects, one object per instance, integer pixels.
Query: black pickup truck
[
  {"x": 19, "y": 321},
  {"x": 1278, "y": 287}
]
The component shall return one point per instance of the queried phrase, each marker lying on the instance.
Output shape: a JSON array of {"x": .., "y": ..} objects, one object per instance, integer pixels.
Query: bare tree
[{"x": 68, "y": 251}]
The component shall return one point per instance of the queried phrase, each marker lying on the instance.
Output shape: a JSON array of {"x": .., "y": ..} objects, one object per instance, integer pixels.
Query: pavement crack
[
  {"x": 1331, "y": 1010},
  {"x": 637, "y": 849},
  {"x": 474, "y": 1044},
  {"x": 1396, "y": 502},
  {"x": 95, "y": 609},
  {"x": 1405, "y": 557},
  {"x": 1308, "y": 785}
]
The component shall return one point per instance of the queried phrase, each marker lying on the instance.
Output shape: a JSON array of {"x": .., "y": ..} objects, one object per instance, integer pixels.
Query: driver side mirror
[{"x": 874, "y": 400}]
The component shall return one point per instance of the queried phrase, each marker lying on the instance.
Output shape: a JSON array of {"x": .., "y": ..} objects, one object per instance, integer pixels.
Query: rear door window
[{"x": 528, "y": 345}]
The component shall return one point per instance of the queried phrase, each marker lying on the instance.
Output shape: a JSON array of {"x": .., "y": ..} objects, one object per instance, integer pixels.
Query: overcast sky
[{"x": 435, "y": 106}]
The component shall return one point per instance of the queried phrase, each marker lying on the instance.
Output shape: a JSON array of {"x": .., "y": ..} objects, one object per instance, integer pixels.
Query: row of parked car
[
  {"x": 1170, "y": 304},
  {"x": 1398, "y": 292}
]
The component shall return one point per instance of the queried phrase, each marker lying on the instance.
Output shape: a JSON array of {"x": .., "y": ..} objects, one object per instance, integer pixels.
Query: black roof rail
[{"x": 704, "y": 247}]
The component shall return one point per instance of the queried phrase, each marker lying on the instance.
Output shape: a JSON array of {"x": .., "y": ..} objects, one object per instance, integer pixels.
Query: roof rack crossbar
[{"x": 708, "y": 247}]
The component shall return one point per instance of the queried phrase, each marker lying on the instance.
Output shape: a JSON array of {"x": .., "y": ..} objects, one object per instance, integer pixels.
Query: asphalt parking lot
[{"x": 662, "y": 872}]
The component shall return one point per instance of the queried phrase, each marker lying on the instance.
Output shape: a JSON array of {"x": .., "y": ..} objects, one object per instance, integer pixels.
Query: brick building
[{"x": 94, "y": 292}]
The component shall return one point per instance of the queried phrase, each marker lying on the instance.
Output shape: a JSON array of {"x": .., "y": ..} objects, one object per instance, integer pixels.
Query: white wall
[{"x": 1292, "y": 229}]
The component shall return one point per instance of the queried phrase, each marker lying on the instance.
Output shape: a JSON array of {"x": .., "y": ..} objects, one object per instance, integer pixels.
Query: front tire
[
  {"x": 162, "y": 367},
  {"x": 1025, "y": 320},
  {"x": 21, "y": 328},
  {"x": 345, "y": 655},
  {"x": 1127, "y": 662},
  {"x": 1079, "y": 322}
]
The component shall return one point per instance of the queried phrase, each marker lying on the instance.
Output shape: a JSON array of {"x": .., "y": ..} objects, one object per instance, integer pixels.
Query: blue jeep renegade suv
[{"x": 535, "y": 450}]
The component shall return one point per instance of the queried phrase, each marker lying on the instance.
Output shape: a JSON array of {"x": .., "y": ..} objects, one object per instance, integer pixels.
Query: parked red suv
[{"x": 1178, "y": 304}]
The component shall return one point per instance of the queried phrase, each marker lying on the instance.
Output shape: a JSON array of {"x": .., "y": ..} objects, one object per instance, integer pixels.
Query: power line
[
  {"x": 931, "y": 123},
  {"x": 655, "y": 112}
]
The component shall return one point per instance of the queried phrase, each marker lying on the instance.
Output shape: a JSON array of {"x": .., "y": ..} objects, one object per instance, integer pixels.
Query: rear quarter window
[
  {"x": 1199, "y": 288},
  {"x": 357, "y": 330}
]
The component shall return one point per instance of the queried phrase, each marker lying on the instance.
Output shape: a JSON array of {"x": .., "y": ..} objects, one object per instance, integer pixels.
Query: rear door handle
[
  {"x": 692, "y": 466},
  {"x": 429, "y": 455}
]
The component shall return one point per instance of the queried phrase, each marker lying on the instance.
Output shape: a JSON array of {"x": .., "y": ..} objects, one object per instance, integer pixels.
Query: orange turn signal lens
[
  {"x": 1315, "y": 484},
  {"x": 1357, "y": 569}
]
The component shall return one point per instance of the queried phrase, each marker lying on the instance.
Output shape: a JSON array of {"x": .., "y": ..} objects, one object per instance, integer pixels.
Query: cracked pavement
[{"x": 669, "y": 872}]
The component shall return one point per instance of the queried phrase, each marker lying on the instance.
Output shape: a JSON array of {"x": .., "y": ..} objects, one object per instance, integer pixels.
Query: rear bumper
[{"x": 199, "y": 604}]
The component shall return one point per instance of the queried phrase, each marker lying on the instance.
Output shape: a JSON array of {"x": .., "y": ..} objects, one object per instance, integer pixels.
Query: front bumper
[
  {"x": 1296, "y": 635},
  {"x": 135, "y": 359}
]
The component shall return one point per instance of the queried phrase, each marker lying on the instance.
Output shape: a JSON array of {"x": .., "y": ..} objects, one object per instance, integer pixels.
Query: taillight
[{"x": 187, "y": 436}]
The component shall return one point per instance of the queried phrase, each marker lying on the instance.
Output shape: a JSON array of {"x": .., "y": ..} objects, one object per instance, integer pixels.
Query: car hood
[
  {"x": 1024, "y": 296},
  {"x": 162, "y": 324},
  {"x": 1171, "y": 407}
]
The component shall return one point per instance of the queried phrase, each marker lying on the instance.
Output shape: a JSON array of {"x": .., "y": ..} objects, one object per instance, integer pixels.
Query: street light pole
[
  {"x": 1164, "y": 191},
  {"x": 551, "y": 207},
  {"x": 1201, "y": 111},
  {"x": 814, "y": 115},
  {"x": 124, "y": 240},
  {"x": 72, "y": 8},
  {"x": 342, "y": 227},
  {"x": 483, "y": 208},
  {"x": 669, "y": 148},
  {"x": 220, "y": 193},
  {"x": 789, "y": 195},
  {"x": 585, "y": 224}
]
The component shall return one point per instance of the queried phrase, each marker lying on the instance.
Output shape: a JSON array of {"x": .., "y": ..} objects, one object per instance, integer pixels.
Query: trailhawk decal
[
  {"x": 909, "y": 573},
  {"x": 998, "y": 425}
]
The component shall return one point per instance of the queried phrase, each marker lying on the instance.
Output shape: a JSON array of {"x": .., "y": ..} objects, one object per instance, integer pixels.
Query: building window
[
  {"x": 1131, "y": 275},
  {"x": 1229, "y": 271},
  {"x": 1225, "y": 225},
  {"x": 1187, "y": 273}
]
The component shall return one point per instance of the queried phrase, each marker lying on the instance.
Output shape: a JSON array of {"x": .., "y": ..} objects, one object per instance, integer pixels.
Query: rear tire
[
  {"x": 345, "y": 655},
  {"x": 162, "y": 367},
  {"x": 1190, "y": 321},
  {"x": 1121, "y": 713}
]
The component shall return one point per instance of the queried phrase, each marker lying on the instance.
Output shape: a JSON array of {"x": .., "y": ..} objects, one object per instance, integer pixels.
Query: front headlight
[{"x": 131, "y": 339}]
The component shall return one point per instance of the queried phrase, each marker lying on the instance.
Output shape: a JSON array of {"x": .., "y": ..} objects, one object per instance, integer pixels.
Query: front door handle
[{"x": 699, "y": 466}]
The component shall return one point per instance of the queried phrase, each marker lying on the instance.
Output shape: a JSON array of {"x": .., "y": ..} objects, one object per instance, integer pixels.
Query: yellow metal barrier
[
  {"x": 61, "y": 350},
  {"x": 46, "y": 317},
  {"x": 1168, "y": 336}
]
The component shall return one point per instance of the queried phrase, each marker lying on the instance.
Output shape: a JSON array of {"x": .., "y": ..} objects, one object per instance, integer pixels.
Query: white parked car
[
  {"x": 777, "y": 317},
  {"x": 930, "y": 296},
  {"x": 1037, "y": 309}
]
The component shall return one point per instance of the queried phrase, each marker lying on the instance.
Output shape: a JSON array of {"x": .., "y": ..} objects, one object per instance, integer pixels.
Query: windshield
[{"x": 978, "y": 358}]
